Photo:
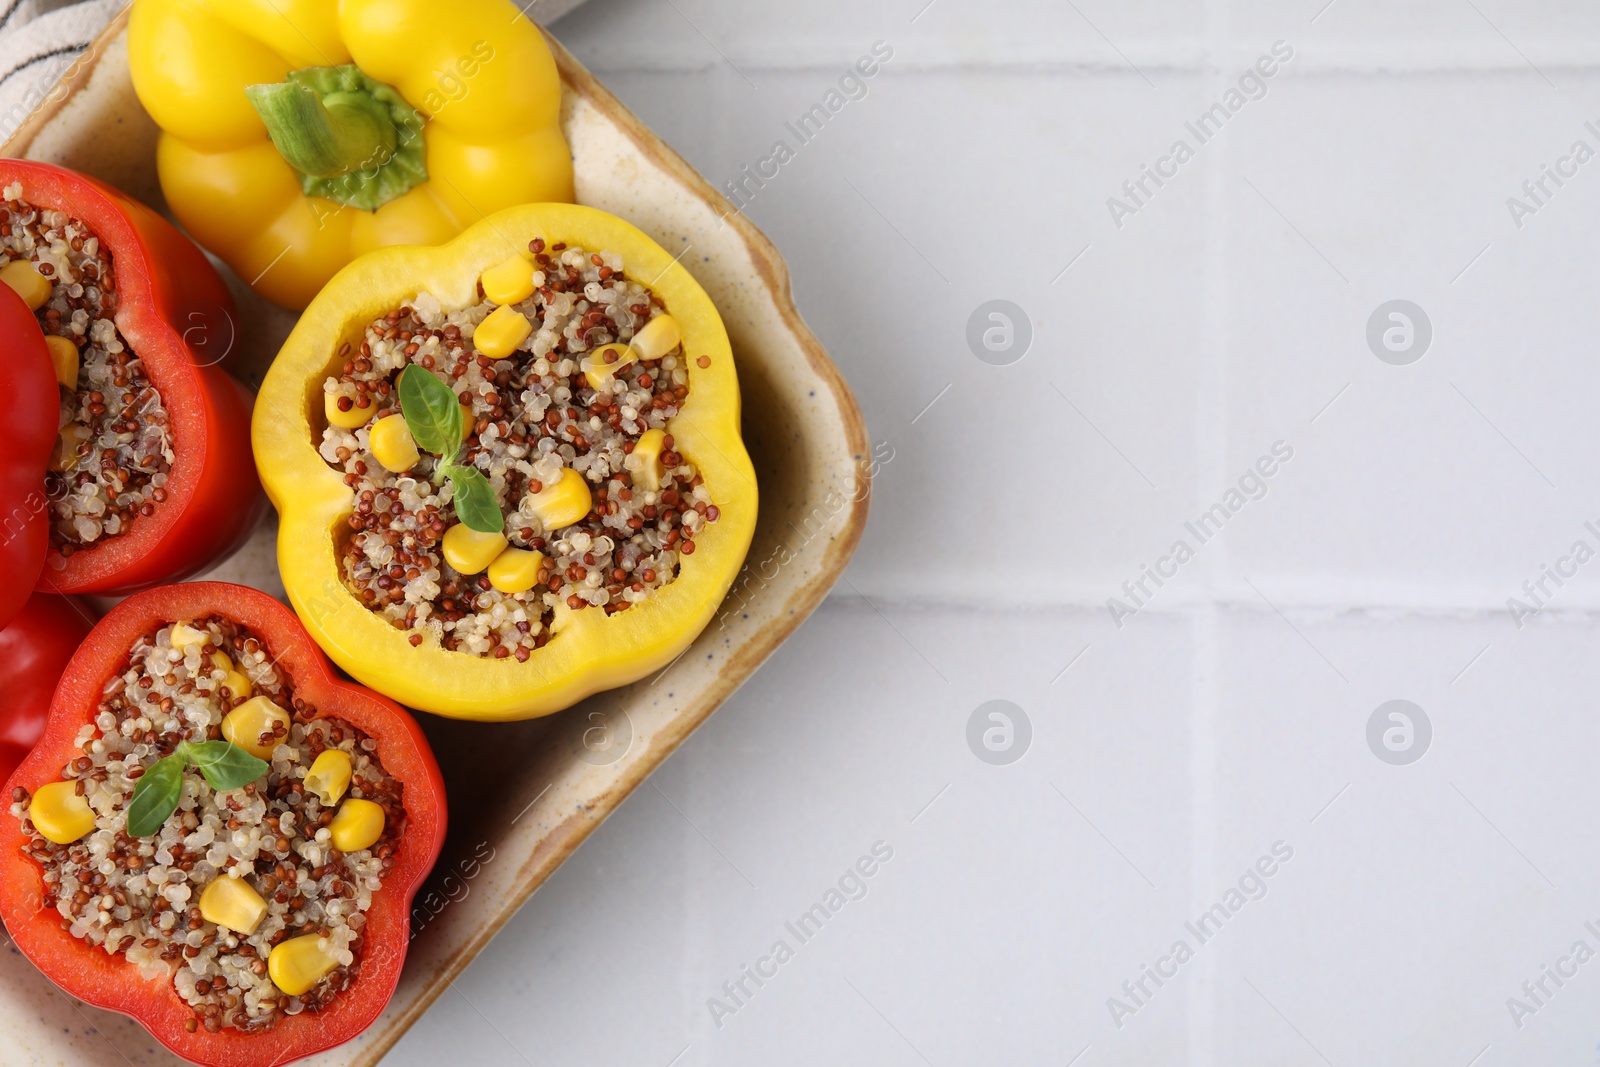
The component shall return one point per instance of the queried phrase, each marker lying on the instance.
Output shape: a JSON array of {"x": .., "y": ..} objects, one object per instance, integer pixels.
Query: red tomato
[{"x": 34, "y": 650}]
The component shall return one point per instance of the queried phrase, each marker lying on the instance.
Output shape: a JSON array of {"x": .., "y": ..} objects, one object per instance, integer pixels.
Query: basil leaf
[
  {"x": 224, "y": 764},
  {"x": 431, "y": 411},
  {"x": 474, "y": 499},
  {"x": 155, "y": 796}
]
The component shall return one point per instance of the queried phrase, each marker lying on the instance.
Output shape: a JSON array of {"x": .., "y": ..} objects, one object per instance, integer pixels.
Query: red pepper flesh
[
  {"x": 91, "y": 974},
  {"x": 30, "y": 409},
  {"x": 177, "y": 316},
  {"x": 34, "y": 651}
]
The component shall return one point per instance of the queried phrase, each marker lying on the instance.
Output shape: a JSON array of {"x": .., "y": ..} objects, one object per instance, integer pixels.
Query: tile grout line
[
  {"x": 696, "y": 931},
  {"x": 1211, "y": 426},
  {"x": 1581, "y": 612},
  {"x": 695, "y": 938},
  {"x": 1353, "y": 62}
]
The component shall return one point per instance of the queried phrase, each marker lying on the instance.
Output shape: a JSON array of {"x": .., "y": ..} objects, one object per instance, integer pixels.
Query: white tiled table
[{"x": 1229, "y": 313}]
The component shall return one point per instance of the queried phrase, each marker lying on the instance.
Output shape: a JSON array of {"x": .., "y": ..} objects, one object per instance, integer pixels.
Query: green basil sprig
[
  {"x": 433, "y": 415},
  {"x": 431, "y": 410},
  {"x": 221, "y": 763},
  {"x": 156, "y": 796}
]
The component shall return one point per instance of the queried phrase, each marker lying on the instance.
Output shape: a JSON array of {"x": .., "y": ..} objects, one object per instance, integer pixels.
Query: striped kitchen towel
[{"x": 39, "y": 39}]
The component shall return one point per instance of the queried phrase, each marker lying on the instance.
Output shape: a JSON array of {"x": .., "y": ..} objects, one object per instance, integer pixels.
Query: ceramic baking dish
[{"x": 524, "y": 795}]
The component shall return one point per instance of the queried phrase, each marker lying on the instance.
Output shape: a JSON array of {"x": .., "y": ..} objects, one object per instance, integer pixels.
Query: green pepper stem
[
  {"x": 351, "y": 139},
  {"x": 325, "y": 136}
]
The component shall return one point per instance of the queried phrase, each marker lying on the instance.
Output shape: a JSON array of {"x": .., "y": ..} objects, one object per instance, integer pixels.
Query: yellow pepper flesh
[
  {"x": 589, "y": 650},
  {"x": 480, "y": 75}
]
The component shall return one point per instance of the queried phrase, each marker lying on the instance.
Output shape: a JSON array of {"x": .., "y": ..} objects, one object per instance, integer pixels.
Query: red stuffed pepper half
[
  {"x": 150, "y": 478},
  {"x": 216, "y": 835}
]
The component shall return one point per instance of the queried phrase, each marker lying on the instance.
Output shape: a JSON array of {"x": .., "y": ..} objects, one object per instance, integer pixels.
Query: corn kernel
[
  {"x": 235, "y": 681},
  {"x": 392, "y": 445},
  {"x": 329, "y": 776},
  {"x": 298, "y": 964},
  {"x": 658, "y": 337},
  {"x": 353, "y": 419},
  {"x": 59, "y": 813},
  {"x": 470, "y": 551},
  {"x": 468, "y": 421},
  {"x": 232, "y": 903},
  {"x": 182, "y": 635},
  {"x": 64, "y": 354},
  {"x": 65, "y": 455},
  {"x": 601, "y": 373},
  {"x": 245, "y": 725},
  {"x": 650, "y": 472},
  {"x": 510, "y": 282},
  {"x": 563, "y": 502},
  {"x": 24, "y": 277},
  {"x": 499, "y": 335},
  {"x": 358, "y": 825},
  {"x": 516, "y": 570}
]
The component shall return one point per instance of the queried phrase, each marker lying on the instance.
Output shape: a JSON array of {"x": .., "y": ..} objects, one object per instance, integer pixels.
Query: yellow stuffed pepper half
[{"x": 567, "y": 519}]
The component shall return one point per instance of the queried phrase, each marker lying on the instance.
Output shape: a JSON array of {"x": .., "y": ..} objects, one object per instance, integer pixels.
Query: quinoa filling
[
  {"x": 114, "y": 452},
  {"x": 533, "y": 415},
  {"x": 141, "y": 898}
]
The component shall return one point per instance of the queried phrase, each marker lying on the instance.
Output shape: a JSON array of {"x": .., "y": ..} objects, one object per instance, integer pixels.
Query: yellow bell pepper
[
  {"x": 588, "y": 650},
  {"x": 299, "y": 134}
]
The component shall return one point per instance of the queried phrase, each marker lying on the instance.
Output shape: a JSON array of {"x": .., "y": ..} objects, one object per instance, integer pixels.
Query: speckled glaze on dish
[{"x": 813, "y": 462}]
